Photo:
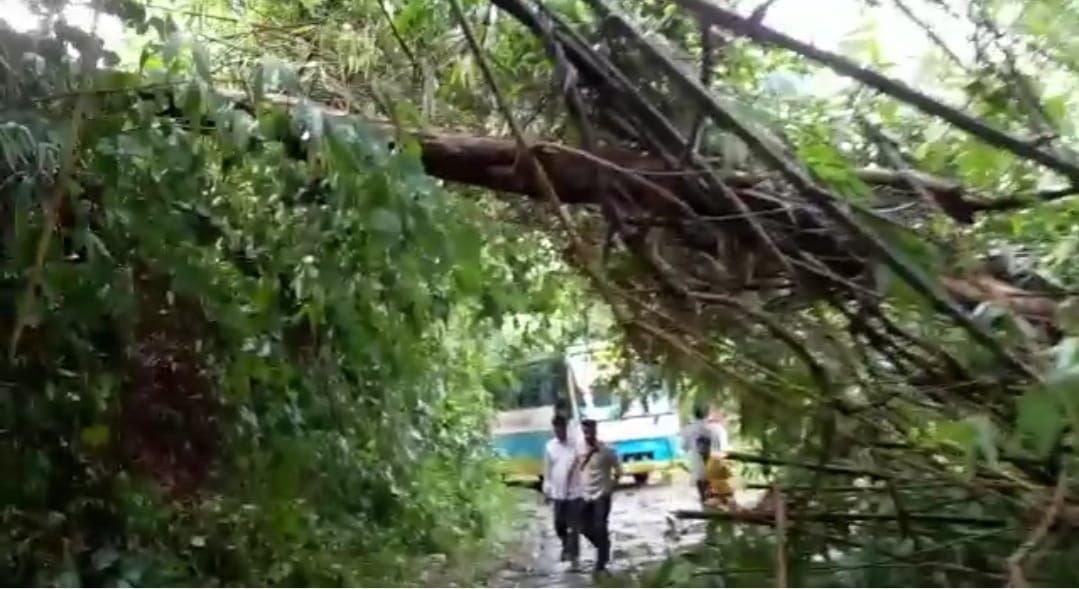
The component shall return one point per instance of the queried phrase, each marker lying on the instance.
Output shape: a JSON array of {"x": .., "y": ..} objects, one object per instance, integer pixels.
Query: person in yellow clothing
[{"x": 716, "y": 490}]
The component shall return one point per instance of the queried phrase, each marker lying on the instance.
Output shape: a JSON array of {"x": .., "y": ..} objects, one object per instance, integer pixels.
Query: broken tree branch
[
  {"x": 737, "y": 24},
  {"x": 754, "y": 517},
  {"x": 1016, "y": 577},
  {"x": 837, "y": 208}
]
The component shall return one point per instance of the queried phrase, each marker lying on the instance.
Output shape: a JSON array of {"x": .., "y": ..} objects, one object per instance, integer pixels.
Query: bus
[
  {"x": 638, "y": 419},
  {"x": 635, "y": 414},
  {"x": 524, "y": 409}
]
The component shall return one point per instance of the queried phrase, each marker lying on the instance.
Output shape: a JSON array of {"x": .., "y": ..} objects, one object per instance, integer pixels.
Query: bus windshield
[
  {"x": 535, "y": 384},
  {"x": 642, "y": 392}
]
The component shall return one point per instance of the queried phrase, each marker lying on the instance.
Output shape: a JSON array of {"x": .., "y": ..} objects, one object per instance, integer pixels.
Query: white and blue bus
[
  {"x": 524, "y": 411},
  {"x": 635, "y": 414},
  {"x": 640, "y": 422}
]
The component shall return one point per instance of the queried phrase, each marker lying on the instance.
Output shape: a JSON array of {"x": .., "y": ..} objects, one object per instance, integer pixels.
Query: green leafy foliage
[
  {"x": 316, "y": 314},
  {"x": 241, "y": 367}
]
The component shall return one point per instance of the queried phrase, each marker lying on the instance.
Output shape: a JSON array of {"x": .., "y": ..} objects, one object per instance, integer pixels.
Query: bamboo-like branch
[
  {"x": 840, "y": 489},
  {"x": 781, "y": 538},
  {"x": 416, "y": 66},
  {"x": 750, "y": 517},
  {"x": 60, "y": 187},
  {"x": 828, "y": 468},
  {"x": 550, "y": 194},
  {"x": 1016, "y": 577},
  {"x": 928, "y": 30},
  {"x": 836, "y": 207}
]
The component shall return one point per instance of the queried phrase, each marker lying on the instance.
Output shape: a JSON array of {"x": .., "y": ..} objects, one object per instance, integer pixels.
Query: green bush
[{"x": 234, "y": 364}]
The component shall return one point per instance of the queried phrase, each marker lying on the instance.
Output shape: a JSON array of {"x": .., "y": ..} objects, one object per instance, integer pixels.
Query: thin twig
[
  {"x": 770, "y": 519},
  {"x": 416, "y": 67},
  {"x": 55, "y": 201},
  {"x": 895, "y": 159},
  {"x": 930, "y": 32},
  {"x": 831, "y": 469},
  {"x": 1016, "y": 577},
  {"x": 913, "y": 486},
  {"x": 707, "y": 65},
  {"x": 781, "y": 537},
  {"x": 816, "y": 369}
]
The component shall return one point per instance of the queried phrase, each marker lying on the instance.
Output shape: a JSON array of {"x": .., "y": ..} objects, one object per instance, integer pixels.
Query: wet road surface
[{"x": 642, "y": 532}]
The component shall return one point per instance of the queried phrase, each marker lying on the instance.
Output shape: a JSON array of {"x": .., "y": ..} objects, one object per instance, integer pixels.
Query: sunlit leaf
[
  {"x": 385, "y": 221},
  {"x": 95, "y": 436}
]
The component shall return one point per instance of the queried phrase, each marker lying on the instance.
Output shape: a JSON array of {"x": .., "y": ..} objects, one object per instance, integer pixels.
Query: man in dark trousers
[
  {"x": 600, "y": 470},
  {"x": 561, "y": 485}
]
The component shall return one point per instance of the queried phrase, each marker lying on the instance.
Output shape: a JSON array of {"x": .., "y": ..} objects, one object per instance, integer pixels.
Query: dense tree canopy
[{"x": 255, "y": 271}]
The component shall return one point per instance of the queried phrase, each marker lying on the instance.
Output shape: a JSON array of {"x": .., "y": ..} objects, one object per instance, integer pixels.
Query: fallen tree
[{"x": 852, "y": 331}]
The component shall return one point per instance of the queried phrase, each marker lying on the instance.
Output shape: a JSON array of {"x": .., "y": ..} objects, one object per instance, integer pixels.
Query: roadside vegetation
[{"x": 258, "y": 260}]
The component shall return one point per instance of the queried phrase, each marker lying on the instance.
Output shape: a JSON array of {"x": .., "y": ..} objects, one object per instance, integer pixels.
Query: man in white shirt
[
  {"x": 561, "y": 485},
  {"x": 698, "y": 428},
  {"x": 600, "y": 469}
]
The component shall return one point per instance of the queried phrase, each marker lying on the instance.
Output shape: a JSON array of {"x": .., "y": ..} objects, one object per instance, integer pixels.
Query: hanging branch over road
[
  {"x": 658, "y": 193},
  {"x": 835, "y": 206},
  {"x": 731, "y": 21}
]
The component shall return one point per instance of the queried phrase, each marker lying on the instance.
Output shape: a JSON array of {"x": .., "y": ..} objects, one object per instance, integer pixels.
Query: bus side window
[
  {"x": 503, "y": 391},
  {"x": 506, "y": 399},
  {"x": 540, "y": 384}
]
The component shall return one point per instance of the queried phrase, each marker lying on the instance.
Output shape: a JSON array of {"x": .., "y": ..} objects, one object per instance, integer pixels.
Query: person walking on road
[
  {"x": 600, "y": 470},
  {"x": 718, "y": 492},
  {"x": 700, "y": 427},
  {"x": 561, "y": 486}
]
